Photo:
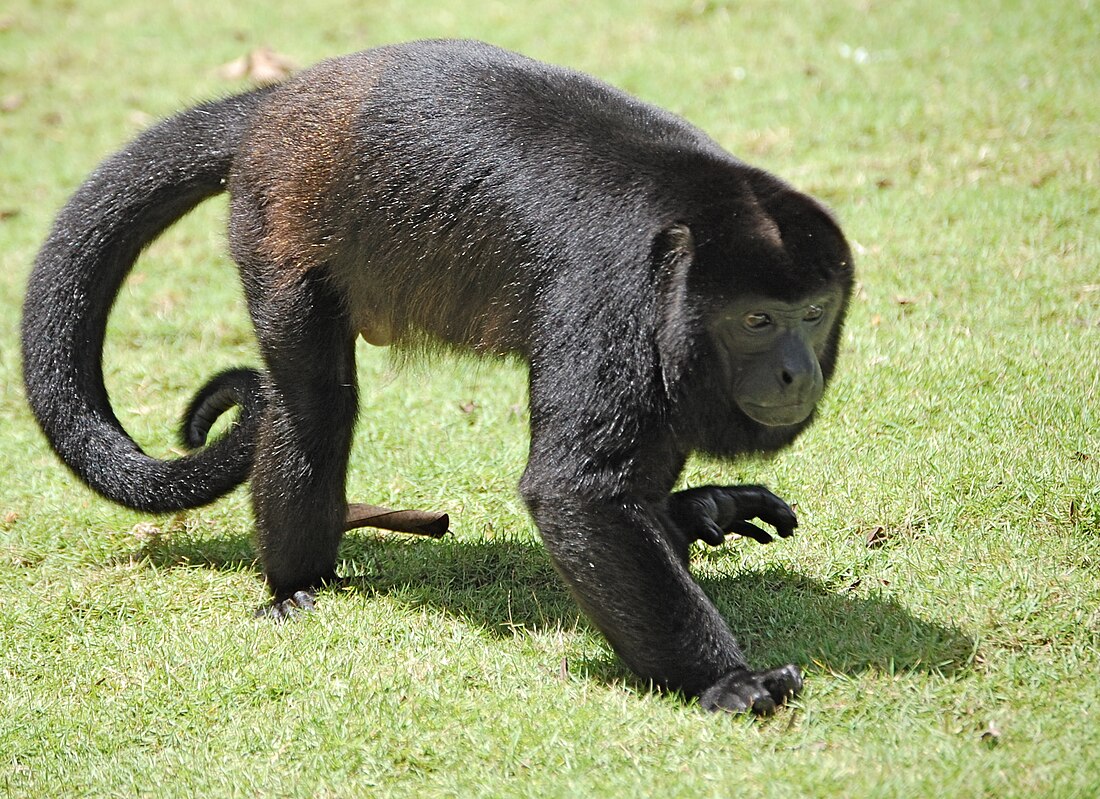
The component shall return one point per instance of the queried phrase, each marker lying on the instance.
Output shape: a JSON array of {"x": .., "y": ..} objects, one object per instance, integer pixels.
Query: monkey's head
[
  {"x": 771, "y": 352},
  {"x": 753, "y": 296}
]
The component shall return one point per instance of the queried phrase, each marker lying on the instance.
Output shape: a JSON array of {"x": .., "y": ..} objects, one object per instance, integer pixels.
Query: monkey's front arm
[
  {"x": 710, "y": 513},
  {"x": 618, "y": 559}
]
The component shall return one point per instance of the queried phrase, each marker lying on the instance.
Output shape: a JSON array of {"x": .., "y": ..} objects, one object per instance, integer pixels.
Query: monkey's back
[{"x": 444, "y": 183}]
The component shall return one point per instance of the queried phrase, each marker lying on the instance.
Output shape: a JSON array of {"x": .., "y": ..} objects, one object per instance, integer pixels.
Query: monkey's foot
[
  {"x": 282, "y": 610},
  {"x": 758, "y": 691},
  {"x": 709, "y": 513}
]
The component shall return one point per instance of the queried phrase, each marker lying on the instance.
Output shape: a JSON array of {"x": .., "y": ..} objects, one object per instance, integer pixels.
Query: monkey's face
[{"x": 771, "y": 353}]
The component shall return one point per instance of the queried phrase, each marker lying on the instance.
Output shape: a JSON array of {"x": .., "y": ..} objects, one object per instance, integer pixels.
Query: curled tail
[
  {"x": 225, "y": 390},
  {"x": 125, "y": 204}
]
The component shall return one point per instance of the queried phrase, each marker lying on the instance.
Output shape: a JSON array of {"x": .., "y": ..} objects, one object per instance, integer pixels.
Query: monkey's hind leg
[{"x": 299, "y": 473}]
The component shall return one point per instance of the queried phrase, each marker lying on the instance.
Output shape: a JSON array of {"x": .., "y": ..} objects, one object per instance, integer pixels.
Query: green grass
[{"x": 943, "y": 593}]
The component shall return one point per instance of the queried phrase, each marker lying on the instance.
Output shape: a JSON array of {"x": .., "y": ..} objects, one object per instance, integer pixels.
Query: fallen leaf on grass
[
  {"x": 876, "y": 536},
  {"x": 991, "y": 735},
  {"x": 12, "y": 102},
  {"x": 262, "y": 65},
  {"x": 141, "y": 119},
  {"x": 146, "y": 531}
]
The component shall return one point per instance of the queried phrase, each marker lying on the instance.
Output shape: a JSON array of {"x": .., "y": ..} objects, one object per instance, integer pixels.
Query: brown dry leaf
[
  {"x": 991, "y": 735},
  {"x": 860, "y": 249},
  {"x": 141, "y": 119},
  {"x": 146, "y": 532},
  {"x": 900, "y": 300},
  {"x": 876, "y": 536},
  {"x": 234, "y": 70},
  {"x": 262, "y": 65},
  {"x": 12, "y": 102}
]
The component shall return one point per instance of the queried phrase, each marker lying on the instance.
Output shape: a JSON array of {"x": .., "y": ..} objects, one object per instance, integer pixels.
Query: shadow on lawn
[{"x": 502, "y": 587}]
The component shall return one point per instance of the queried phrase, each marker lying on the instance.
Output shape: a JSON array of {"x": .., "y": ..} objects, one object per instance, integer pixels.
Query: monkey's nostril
[{"x": 786, "y": 377}]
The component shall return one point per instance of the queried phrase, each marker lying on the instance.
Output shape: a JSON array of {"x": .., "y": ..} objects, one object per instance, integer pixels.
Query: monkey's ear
[
  {"x": 673, "y": 256},
  {"x": 810, "y": 232},
  {"x": 800, "y": 212},
  {"x": 674, "y": 241}
]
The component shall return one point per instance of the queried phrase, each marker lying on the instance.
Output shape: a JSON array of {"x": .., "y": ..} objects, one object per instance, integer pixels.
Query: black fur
[
  {"x": 121, "y": 208},
  {"x": 223, "y": 392},
  {"x": 667, "y": 297}
]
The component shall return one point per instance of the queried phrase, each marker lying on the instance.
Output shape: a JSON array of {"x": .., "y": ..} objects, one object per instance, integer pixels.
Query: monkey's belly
[{"x": 376, "y": 333}]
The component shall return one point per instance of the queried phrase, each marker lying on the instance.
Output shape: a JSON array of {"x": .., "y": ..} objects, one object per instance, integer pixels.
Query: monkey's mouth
[{"x": 777, "y": 415}]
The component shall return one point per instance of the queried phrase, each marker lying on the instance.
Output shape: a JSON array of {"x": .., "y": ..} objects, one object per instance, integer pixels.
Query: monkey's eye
[
  {"x": 814, "y": 313},
  {"x": 757, "y": 320}
]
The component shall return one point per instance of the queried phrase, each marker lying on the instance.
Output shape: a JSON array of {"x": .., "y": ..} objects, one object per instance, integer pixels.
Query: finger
[
  {"x": 287, "y": 609},
  {"x": 784, "y": 520},
  {"x": 785, "y": 527},
  {"x": 304, "y": 600},
  {"x": 711, "y": 533},
  {"x": 758, "y": 502},
  {"x": 782, "y": 683},
  {"x": 749, "y": 531},
  {"x": 763, "y": 705}
]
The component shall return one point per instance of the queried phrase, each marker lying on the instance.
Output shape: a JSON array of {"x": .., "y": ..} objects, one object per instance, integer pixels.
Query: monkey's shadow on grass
[{"x": 505, "y": 587}]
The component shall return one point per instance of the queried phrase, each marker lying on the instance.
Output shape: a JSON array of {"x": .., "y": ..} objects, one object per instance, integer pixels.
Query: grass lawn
[{"x": 943, "y": 593}]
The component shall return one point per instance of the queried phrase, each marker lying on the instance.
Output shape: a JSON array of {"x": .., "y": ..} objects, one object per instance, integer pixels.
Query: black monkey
[{"x": 667, "y": 297}]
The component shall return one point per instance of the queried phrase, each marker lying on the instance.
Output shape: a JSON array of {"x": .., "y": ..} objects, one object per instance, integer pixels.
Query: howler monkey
[{"x": 667, "y": 298}]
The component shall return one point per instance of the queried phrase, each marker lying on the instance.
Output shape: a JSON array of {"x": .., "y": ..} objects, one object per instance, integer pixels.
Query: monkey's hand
[
  {"x": 759, "y": 691},
  {"x": 709, "y": 513}
]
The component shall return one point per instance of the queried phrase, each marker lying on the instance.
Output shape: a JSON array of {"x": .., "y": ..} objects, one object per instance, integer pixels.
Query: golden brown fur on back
[{"x": 302, "y": 141}]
